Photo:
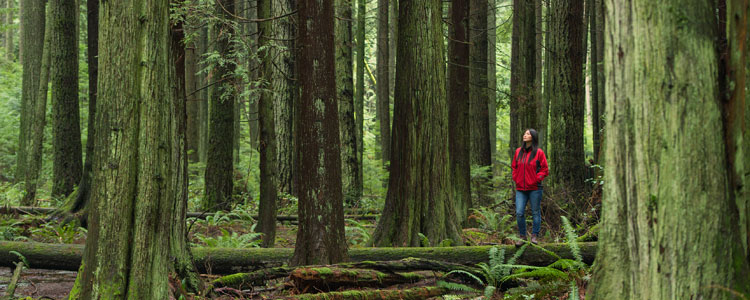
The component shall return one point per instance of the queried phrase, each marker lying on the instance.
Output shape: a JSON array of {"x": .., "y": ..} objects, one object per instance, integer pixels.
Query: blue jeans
[{"x": 522, "y": 197}]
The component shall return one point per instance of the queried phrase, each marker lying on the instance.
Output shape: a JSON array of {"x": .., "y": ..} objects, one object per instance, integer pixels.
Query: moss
[{"x": 411, "y": 276}]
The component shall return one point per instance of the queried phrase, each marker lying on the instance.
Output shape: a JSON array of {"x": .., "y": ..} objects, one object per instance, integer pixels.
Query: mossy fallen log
[
  {"x": 331, "y": 278},
  {"x": 230, "y": 261},
  {"x": 30, "y": 210},
  {"x": 407, "y": 294}
]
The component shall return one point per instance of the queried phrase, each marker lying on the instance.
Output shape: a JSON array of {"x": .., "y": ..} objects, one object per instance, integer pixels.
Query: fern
[
  {"x": 453, "y": 286},
  {"x": 572, "y": 238},
  {"x": 546, "y": 273},
  {"x": 574, "y": 290},
  {"x": 472, "y": 276},
  {"x": 425, "y": 242},
  {"x": 567, "y": 264}
]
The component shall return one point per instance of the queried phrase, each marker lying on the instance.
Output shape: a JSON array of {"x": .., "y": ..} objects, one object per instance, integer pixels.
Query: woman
[{"x": 529, "y": 169}]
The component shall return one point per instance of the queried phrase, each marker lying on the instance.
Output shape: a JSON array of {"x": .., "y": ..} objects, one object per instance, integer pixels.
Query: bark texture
[
  {"x": 66, "y": 131},
  {"x": 320, "y": 238},
  {"x": 567, "y": 98},
  {"x": 285, "y": 91},
  {"x": 458, "y": 108},
  {"x": 345, "y": 98},
  {"x": 479, "y": 99},
  {"x": 383, "y": 86},
  {"x": 419, "y": 198},
  {"x": 523, "y": 68},
  {"x": 666, "y": 163}
]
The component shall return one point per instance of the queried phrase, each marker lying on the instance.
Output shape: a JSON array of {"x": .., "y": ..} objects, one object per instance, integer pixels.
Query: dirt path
[{"x": 39, "y": 283}]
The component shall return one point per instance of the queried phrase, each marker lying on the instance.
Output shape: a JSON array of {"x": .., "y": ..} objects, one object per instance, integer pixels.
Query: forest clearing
[{"x": 374, "y": 149}]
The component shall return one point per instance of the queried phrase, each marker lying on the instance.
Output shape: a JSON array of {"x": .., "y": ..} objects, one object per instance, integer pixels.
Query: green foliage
[
  {"x": 572, "y": 239},
  {"x": 11, "y": 230},
  {"x": 453, "y": 286},
  {"x": 357, "y": 233},
  {"x": 230, "y": 240},
  {"x": 493, "y": 221},
  {"x": 21, "y": 257},
  {"x": 53, "y": 232}
]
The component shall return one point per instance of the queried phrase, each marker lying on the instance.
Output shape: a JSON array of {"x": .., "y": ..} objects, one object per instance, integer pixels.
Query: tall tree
[
  {"x": 541, "y": 124},
  {"x": 320, "y": 238},
  {"x": 392, "y": 44},
  {"x": 480, "y": 153},
  {"x": 669, "y": 169},
  {"x": 492, "y": 75},
  {"x": 523, "y": 68},
  {"x": 267, "y": 147},
  {"x": 458, "y": 108},
  {"x": 594, "y": 79},
  {"x": 546, "y": 85},
  {"x": 567, "y": 95},
  {"x": 419, "y": 199},
  {"x": 383, "y": 85},
  {"x": 345, "y": 98},
  {"x": 285, "y": 91},
  {"x": 10, "y": 50},
  {"x": 136, "y": 192},
  {"x": 219, "y": 158},
  {"x": 193, "y": 105},
  {"x": 66, "y": 131},
  {"x": 359, "y": 96},
  {"x": 37, "y": 113},
  {"x": 32, "y": 35}
]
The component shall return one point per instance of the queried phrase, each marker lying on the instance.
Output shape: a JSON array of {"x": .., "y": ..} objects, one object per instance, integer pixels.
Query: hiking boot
[
  {"x": 519, "y": 242},
  {"x": 534, "y": 239}
]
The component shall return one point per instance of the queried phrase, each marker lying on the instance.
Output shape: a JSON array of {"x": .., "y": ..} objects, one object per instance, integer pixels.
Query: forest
[{"x": 374, "y": 149}]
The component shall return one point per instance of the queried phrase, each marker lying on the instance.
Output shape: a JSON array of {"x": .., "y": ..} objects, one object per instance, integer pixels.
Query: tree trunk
[
  {"x": 203, "y": 118},
  {"x": 32, "y": 37},
  {"x": 219, "y": 166},
  {"x": 669, "y": 136},
  {"x": 392, "y": 45},
  {"x": 567, "y": 95},
  {"x": 546, "y": 85},
  {"x": 134, "y": 184},
  {"x": 345, "y": 99},
  {"x": 383, "y": 85},
  {"x": 541, "y": 120},
  {"x": 193, "y": 101},
  {"x": 359, "y": 96},
  {"x": 419, "y": 199},
  {"x": 66, "y": 132},
  {"x": 332, "y": 278},
  {"x": 285, "y": 92},
  {"x": 523, "y": 66},
  {"x": 478, "y": 99},
  {"x": 320, "y": 238},
  {"x": 268, "y": 198},
  {"x": 38, "y": 112},
  {"x": 10, "y": 54},
  {"x": 458, "y": 109},
  {"x": 492, "y": 75},
  {"x": 594, "y": 80}
]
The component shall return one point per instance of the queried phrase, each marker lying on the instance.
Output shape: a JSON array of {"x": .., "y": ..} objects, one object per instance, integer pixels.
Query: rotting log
[
  {"x": 32, "y": 210},
  {"x": 331, "y": 278},
  {"x": 407, "y": 294},
  {"x": 229, "y": 261},
  {"x": 255, "y": 278}
]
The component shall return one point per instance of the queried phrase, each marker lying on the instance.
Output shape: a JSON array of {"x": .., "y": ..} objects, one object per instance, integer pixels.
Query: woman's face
[{"x": 527, "y": 136}]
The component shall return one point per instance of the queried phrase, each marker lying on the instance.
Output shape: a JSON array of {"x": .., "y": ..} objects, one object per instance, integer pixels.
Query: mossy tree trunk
[
  {"x": 458, "y": 108},
  {"x": 359, "y": 96},
  {"x": 66, "y": 131},
  {"x": 479, "y": 99},
  {"x": 383, "y": 85},
  {"x": 392, "y": 44},
  {"x": 141, "y": 149},
  {"x": 594, "y": 67},
  {"x": 285, "y": 92},
  {"x": 193, "y": 101},
  {"x": 546, "y": 86},
  {"x": 345, "y": 98},
  {"x": 670, "y": 131},
  {"x": 419, "y": 198},
  {"x": 523, "y": 68},
  {"x": 32, "y": 37},
  {"x": 219, "y": 158},
  {"x": 10, "y": 50},
  {"x": 567, "y": 101},
  {"x": 320, "y": 238},
  {"x": 492, "y": 75},
  {"x": 267, "y": 147}
]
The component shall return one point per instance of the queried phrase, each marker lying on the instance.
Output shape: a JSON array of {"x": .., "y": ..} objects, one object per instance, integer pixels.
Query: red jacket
[{"x": 529, "y": 170}]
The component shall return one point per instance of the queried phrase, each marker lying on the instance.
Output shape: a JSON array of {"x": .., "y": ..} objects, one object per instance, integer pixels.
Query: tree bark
[
  {"x": 547, "y": 90},
  {"x": 267, "y": 147},
  {"x": 458, "y": 109},
  {"x": 567, "y": 101},
  {"x": 134, "y": 189},
  {"x": 523, "y": 66},
  {"x": 383, "y": 86},
  {"x": 10, "y": 50},
  {"x": 219, "y": 159},
  {"x": 478, "y": 99},
  {"x": 669, "y": 135},
  {"x": 66, "y": 132},
  {"x": 392, "y": 45},
  {"x": 192, "y": 85},
  {"x": 285, "y": 91},
  {"x": 594, "y": 67},
  {"x": 416, "y": 293},
  {"x": 320, "y": 238},
  {"x": 419, "y": 199},
  {"x": 359, "y": 96},
  {"x": 492, "y": 75},
  {"x": 345, "y": 98},
  {"x": 332, "y": 278}
]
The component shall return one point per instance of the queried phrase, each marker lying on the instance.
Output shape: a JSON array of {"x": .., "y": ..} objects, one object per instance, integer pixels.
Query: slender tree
[
  {"x": 219, "y": 160},
  {"x": 392, "y": 45},
  {"x": 267, "y": 147},
  {"x": 567, "y": 95},
  {"x": 359, "y": 96},
  {"x": 383, "y": 101},
  {"x": 320, "y": 238},
  {"x": 458, "y": 108},
  {"x": 523, "y": 68},
  {"x": 492, "y": 75},
  {"x": 193, "y": 101},
  {"x": 285, "y": 91},
  {"x": 67, "y": 163},
  {"x": 541, "y": 125},
  {"x": 419, "y": 199},
  {"x": 546, "y": 85},
  {"x": 204, "y": 96},
  {"x": 479, "y": 99},
  {"x": 135, "y": 209},
  {"x": 345, "y": 99},
  {"x": 10, "y": 50},
  {"x": 666, "y": 170},
  {"x": 594, "y": 79}
]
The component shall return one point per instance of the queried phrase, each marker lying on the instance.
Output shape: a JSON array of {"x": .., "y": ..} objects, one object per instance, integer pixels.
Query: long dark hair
[{"x": 534, "y": 143}]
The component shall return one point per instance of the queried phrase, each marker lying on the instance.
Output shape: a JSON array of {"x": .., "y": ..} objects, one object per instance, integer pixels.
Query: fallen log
[
  {"x": 331, "y": 278},
  {"x": 230, "y": 261},
  {"x": 30, "y": 210},
  {"x": 407, "y": 294}
]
